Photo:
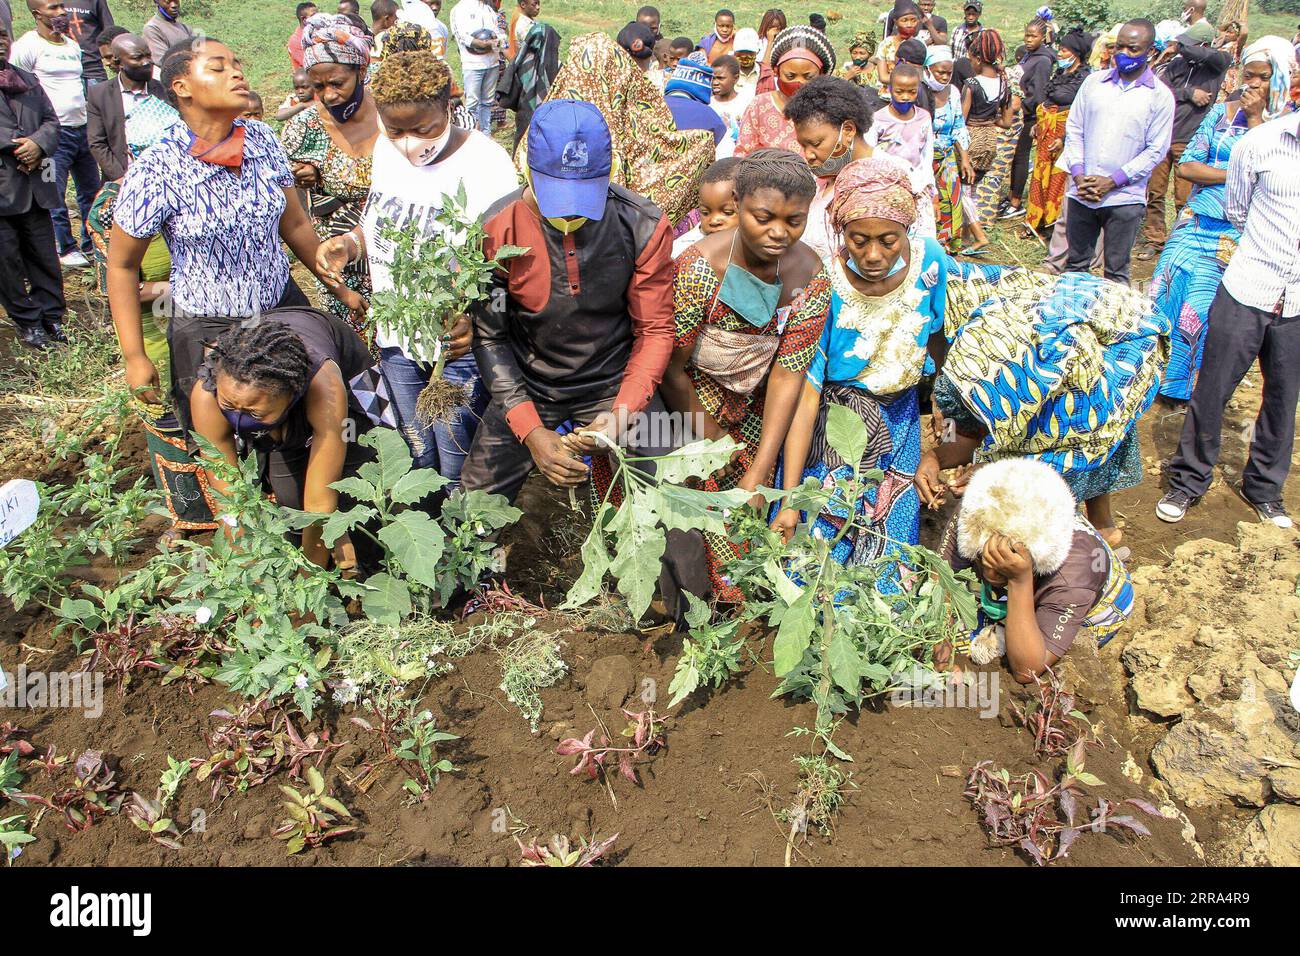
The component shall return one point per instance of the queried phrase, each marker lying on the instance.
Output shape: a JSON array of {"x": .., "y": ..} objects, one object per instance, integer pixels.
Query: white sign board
[{"x": 19, "y": 504}]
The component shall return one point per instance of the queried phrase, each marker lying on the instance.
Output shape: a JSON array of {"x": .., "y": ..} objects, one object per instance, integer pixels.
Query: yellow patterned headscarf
[{"x": 651, "y": 156}]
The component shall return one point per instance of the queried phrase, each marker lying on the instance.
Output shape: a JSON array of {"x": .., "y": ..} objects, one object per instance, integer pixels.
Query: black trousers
[
  {"x": 31, "y": 279},
  {"x": 1239, "y": 334},
  {"x": 1020, "y": 161},
  {"x": 500, "y": 463},
  {"x": 1084, "y": 225}
]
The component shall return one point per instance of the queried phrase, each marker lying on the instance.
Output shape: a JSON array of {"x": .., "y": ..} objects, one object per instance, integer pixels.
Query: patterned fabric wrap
[
  {"x": 888, "y": 513},
  {"x": 950, "y": 217},
  {"x": 735, "y": 360},
  {"x": 872, "y": 189},
  {"x": 1194, "y": 259},
  {"x": 1058, "y": 368},
  {"x": 336, "y": 203},
  {"x": 798, "y": 327},
  {"x": 184, "y": 485},
  {"x": 650, "y": 155},
  {"x": 983, "y": 146},
  {"x": 1183, "y": 287},
  {"x": 333, "y": 38},
  {"x": 1047, "y": 183}
]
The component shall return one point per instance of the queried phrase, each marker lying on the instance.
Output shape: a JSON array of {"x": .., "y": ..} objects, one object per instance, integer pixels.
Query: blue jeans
[
  {"x": 481, "y": 95},
  {"x": 72, "y": 155},
  {"x": 442, "y": 445}
]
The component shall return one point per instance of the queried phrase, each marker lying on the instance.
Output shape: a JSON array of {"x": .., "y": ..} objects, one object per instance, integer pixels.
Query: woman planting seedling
[
  {"x": 280, "y": 388},
  {"x": 1048, "y": 576}
]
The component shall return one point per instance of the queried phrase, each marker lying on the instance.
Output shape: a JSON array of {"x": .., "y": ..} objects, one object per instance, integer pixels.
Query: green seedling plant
[
  {"x": 711, "y": 655},
  {"x": 151, "y": 814},
  {"x": 418, "y": 750},
  {"x": 14, "y": 836},
  {"x": 421, "y": 572},
  {"x": 314, "y": 817},
  {"x": 652, "y": 499},
  {"x": 11, "y": 777},
  {"x": 437, "y": 276},
  {"x": 559, "y": 852},
  {"x": 838, "y": 639},
  {"x": 1042, "y": 819},
  {"x": 529, "y": 664}
]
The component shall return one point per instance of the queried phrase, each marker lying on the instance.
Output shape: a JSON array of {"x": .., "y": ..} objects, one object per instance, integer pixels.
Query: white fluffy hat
[{"x": 1023, "y": 499}]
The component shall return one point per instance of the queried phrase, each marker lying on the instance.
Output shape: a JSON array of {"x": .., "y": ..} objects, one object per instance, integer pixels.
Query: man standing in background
[
  {"x": 474, "y": 25},
  {"x": 164, "y": 30},
  {"x": 87, "y": 19},
  {"x": 1195, "y": 74},
  {"x": 1119, "y": 128},
  {"x": 50, "y": 55},
  {"x": 969, "y": 26},
  {"x": 31, "y": 283},
  {"x": 109, "y": 104}
]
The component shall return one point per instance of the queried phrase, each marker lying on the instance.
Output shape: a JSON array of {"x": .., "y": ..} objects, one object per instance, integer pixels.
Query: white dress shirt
[{"x": 1262, "y": 198}]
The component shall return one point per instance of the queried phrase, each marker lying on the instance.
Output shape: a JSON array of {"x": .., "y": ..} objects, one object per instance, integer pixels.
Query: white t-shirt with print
[
  {"x": 403, "y": 193},
  {"x": 58, "y": 67}
]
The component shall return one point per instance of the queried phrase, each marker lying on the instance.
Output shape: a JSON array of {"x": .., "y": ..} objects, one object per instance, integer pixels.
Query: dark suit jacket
[
  {"x": 31, "y": 115},
  {"x": 106, "y": 126}
]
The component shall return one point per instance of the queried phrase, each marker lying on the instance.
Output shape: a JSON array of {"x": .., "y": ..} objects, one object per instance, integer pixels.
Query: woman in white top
[{"x": 421, "y": 159}]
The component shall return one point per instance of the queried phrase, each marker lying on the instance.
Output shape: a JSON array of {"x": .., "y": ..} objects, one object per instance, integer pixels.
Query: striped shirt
[{"x": 1262, "y": 198}]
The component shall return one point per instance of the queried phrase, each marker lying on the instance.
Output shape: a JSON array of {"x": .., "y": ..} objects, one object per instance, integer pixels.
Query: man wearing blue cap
[
  {"x": 580, "y": 328},
  {"x": 687, "y": 93}
]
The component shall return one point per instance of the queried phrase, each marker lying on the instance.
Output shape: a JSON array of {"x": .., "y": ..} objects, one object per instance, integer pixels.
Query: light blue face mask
[
  {"x": 1065, "y": 64},
  {"x": 747, "y": 295},
  {"x": 899, "y": 265}
]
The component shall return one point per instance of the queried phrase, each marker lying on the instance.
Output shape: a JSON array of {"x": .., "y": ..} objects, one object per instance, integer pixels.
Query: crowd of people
[{"x": 741, "y": 231}]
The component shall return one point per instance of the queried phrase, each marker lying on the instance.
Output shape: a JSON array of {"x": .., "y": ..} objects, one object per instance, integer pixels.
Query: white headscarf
[{"x": 1280, "y": 54}]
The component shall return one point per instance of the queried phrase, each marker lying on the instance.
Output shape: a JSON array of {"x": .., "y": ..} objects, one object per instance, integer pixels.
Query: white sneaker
[
  {"x": 1274, "y": 513},
  {"x": 74, "y": 260}
]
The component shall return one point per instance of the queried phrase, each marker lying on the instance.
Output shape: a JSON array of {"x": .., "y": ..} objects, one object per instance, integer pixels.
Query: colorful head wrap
[
  {"x": 1281, "y": 55},
  {"x": 810, "y": 43},
  {"x": 865, "y": 39},
  {"x": 875, "y": 188},
  {"x": 938, "y": 54},
  {"x": 693, "y": 77},
  {"x": 333, "y": 38}
]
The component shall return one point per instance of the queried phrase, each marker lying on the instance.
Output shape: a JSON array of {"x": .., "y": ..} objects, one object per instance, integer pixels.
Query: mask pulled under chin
[{"x": 936, "y": 86}]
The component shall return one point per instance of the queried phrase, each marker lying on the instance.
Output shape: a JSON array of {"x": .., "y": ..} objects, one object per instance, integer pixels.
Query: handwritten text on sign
[{"x": 19, "y": 503}]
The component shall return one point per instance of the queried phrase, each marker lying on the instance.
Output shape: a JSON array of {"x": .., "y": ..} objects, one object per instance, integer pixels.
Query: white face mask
[{"x": 422, "y": 151}]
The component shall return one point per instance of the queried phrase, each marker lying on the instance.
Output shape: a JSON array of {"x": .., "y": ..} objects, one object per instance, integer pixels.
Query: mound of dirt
[{"x": 1212, "y": 649}]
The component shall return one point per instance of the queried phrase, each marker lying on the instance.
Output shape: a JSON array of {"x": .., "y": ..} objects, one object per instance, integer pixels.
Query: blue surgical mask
[
  {"x": 244, "y": 423},
  {"x": 899, "y": 265},
  {"x": 1129, "y": 64},
  {"x": 903, "y": 108},
  {"x": 1065, "y": 64},
  {"x": 747, "y": 295}
]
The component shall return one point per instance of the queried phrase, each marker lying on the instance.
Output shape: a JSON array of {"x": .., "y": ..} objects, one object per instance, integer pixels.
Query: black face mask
[
  {"x": 347, "y": 109},
  {"x": 138, "y": 74}
]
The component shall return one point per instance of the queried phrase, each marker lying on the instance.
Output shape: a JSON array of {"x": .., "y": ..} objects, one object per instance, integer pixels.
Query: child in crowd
[
  {"x": 298, "y": 100},
  {"x": 678, "y": 50},
  {"x": 658, "y": 72},
  {"x": 718, "y": 210},
  {"x": 904, "y": 130},
  {"x": 728, "y": 101},
  {"x": 255, "y": 110}
]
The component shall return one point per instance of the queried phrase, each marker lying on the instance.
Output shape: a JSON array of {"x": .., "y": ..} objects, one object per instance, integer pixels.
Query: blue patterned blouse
[
  {"x": 222, "y": 227},
  {"x": 1212, "y": 145}
]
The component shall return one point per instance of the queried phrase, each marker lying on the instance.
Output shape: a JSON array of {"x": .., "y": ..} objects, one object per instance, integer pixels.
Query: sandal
[
  {"x": 974, "y": 251},
  {"x": 1147, "y": 253}
]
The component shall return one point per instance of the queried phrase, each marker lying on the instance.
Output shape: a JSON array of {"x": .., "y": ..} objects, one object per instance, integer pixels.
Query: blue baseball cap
[{"x": 569, "y": 159}]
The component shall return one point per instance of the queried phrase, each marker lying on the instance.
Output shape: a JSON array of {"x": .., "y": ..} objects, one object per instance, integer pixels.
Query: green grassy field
[{"x": 259, "y": 30}]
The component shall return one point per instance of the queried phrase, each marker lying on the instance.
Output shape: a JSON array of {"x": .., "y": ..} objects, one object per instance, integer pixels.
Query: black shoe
[
  {"x": 1174, "y": 505},
  {"x": 1011, "y": 212},
  {"x": 55, "y": 332},
  {"x": 33, "y": 336},
  {"x": 1272, "y": 512}
]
